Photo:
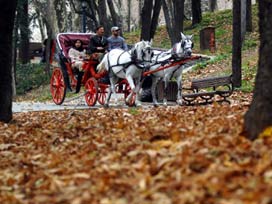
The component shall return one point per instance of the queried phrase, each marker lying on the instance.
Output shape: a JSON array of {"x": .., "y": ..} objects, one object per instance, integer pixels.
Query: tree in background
[
  {"x": 174, "y": 14},
  {"x": 7, "y": 15},
  {"x": 196, "y": 12},
  {"x": 236, "y": 44},
  {"x": 213, "y": 4},
  {"x": 23, "y": 20},
  {"x": 248, "y": 16},
  {"x": 150, "y": 16},
  {"x": 259, "y": 115}
]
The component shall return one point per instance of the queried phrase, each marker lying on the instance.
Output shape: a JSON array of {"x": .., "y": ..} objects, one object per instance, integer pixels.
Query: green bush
[{"x": 30, "y": 76}]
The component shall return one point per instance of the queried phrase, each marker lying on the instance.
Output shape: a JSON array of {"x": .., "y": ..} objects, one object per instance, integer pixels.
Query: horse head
[
  {"x": 143, "y": 51},
  {"x": 184, "y": 47}
]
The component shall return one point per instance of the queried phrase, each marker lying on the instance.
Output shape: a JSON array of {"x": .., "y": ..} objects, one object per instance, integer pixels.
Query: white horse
[
  {"x": 180, "y": 50},
  {"x": 127, "y": 65}
]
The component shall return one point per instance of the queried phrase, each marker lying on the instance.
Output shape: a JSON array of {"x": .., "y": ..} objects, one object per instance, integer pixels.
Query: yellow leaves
[{"x": 266, "y": 133}]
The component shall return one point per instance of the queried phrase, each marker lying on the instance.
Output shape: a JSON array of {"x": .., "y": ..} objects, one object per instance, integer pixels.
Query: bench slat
[{"x": 210, "y": 82}]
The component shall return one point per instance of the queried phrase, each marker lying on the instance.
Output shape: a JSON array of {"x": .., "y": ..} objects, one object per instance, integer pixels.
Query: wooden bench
[{"x": 207, "y": 88}]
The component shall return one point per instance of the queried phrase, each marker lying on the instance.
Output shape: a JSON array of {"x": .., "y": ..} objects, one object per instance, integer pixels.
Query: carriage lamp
[{"x": 84, "y": 7}]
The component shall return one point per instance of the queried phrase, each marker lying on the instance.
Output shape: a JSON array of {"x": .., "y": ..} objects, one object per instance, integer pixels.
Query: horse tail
[{"x": 102, "y": 66}]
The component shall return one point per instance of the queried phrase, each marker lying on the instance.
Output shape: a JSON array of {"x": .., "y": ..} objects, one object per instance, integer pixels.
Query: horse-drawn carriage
[
  {"x": 126, "y": 71},
  {"x": 65, "y": 78}
]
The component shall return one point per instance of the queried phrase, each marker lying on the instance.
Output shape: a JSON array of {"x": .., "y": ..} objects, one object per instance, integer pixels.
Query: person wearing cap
[
  {"x": 98, "y": 44},
  {"x": 115, "y": 40}
]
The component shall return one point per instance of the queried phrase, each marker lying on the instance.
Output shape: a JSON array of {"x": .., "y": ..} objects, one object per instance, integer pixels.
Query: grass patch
[{"x": 30, "y": 76}]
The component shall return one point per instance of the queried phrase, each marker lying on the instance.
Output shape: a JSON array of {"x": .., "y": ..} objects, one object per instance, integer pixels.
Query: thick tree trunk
[
  {"x": 178, "y": 7},
  {"x": 24, "y": 31},
  {"x": 146, "y": 19},
  {"x": 7, "y": 14},
  {"x": 196, "y": 12},
  {"x": 236, "y": 44},
  {"x": 259, "y": 115},
  {"x": 248, "y": 16}
]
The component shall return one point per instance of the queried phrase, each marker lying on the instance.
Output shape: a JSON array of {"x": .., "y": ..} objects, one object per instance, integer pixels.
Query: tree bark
[
  {"x": 155, "y": 17},
  {"x": 7, "y": 14},
  {"x": 174, "y": 14},
  {"x": 24, "y": 31},
  {"x": 259, "y": 115},
  {"x": 146, "y": 19},
  {"x": 213, "y": 5},
  {"x": 196, "y": 12},
  {"x": 103, "y": 19},
  {"x": 249, "y": 16},
  {"x": 236, "y": 44},
  {"x": 114, "y": 15}
]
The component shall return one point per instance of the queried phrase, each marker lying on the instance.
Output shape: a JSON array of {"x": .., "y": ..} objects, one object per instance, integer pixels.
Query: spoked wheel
[
  {"x": 91, "y": 91},
  {"x": 127, "y": 91},
  {"x": 102, "y": 94},
  {"x": 57, "y": 86}
]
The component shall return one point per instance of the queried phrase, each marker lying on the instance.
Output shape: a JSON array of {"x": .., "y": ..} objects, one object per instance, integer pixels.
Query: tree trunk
[
  {"x": 249, "y": 16},
  {"x": 155, "y": 17},
  {"x": 146, "y": 18},
  {"x": 196, "y": 12},
  {"x": 14, "y": 53},
  {"x": 259, "y": 115},
  {"x": 7, "y": 14},
  {"x": 213, "y": 5},
  {"x": 102, "y": 12},
  {"x": 168, "y": 20},
  {"x": 178, "y": 19},
  {"x": 129, "y": 14},
  {"x": 61, "y": 15},
  {"x": 24, "y": 31},
  {"x": 114, "y": 15},
  {"x": 236, "y": 44}
]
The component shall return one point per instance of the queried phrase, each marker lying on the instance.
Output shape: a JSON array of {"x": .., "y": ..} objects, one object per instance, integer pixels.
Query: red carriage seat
[{"x": 66, "y": 40}]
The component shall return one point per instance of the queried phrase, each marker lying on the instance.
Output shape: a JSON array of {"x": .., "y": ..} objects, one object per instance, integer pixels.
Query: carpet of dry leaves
[{"x": 179, "y": 155}]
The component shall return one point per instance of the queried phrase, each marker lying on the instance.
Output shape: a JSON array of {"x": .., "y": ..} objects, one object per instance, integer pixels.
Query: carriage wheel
[
  {"x": 57, "y": 86},
  {"x": 91, "y": 91},
  {"x": 102, "y": 94},
  {"x": 127, "y": 92}
]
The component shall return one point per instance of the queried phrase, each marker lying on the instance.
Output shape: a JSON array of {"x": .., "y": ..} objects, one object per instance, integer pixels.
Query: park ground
[{"x": 174, "y": 154}]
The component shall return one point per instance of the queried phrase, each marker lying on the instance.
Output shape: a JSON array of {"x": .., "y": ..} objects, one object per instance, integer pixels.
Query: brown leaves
[{"x": 150, "y": 155}]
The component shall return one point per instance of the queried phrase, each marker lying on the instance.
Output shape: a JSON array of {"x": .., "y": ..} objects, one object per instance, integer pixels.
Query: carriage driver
[{"x": 98, "y": 44}]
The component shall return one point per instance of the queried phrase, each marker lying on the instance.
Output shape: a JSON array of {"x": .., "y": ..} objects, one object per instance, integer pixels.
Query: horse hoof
[
  {"x": 165, "y": 104},
  {"x": 106, "y": 105},
  {"x": 138, "y": 104},
  {"x": 155, "y": 105}
]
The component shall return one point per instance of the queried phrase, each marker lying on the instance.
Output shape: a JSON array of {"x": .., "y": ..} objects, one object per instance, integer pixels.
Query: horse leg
[
  {"x": 137, "y": 89},
  {"x": 153, "y": 90},
  {"x": 132, "y": 87},
  {"x": 166, "y": 80},
  {"x": 179, "y": 94},
  {"x": 111, "y": 90}
]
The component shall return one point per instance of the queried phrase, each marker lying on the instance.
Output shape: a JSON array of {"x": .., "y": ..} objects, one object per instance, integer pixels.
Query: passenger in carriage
[
  {"x": 77, "y": 55},
  {"x": 115, "y": 40},
  {"x": 98, "y": 44}
]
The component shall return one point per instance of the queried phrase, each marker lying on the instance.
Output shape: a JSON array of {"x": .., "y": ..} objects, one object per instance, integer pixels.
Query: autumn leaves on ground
[{"x": 148, "y": 155}]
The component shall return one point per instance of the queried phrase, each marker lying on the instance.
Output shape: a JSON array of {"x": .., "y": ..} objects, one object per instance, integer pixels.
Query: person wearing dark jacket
[{"x": 98, "y": 44}]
